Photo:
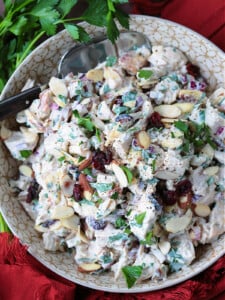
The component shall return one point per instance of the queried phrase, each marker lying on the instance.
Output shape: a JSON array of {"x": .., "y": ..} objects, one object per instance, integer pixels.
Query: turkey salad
[{"x": 124, "y": 166}]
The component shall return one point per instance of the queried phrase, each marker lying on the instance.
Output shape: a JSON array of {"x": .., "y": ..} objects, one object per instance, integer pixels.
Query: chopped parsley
[
  {"x": 120, "y": 223},
  {"x": 195, "y": 134},
  {"x": 111, "y": 61},
  {"x": 85, "y": 122},
  {"x": 62, "y": 158},
  {"x": 145, "y": 74},
  {"x": 25, "y": 153},
  {"x": 131, "y": 274},
  {"x": 140, "y": 218},
  {"x": 102, "y": 187},
  {"x": 128, "y": 173}
]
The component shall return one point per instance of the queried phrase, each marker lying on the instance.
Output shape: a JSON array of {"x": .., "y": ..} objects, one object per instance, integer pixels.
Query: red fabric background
[
  {"x": 23, "y": 278},
  {"x": 207, "y": 17}
]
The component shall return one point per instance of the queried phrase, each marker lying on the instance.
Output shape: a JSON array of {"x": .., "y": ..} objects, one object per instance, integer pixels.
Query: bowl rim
[{"x": 135, "y": 289}]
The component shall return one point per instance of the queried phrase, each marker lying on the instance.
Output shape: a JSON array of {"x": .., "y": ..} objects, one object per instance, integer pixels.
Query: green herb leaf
[
  {"x": 128, "y": 173},
  {"x": 120, "y": 222},
  {"x": 87, "y": 171},
  {"x": 112, "y": 29},
  {"x": 72, "y": 30},
  {"x": 183, "y": 126},
  {"x": 80, "y": 159},
  {"x": 62, "y": 158},
  {"x": 149, "y": 239},
  {"x": 145, "y": 74},
  {"x": 65, "y": 6},
  {"x": 98, "y": 134},
  {"x": 84, "y": 121},
  {"x": 102, "y": 187},
  {"x": 96, "y": 12},
  {"x": 117, "y": 237},
  {"x": 17, "y": 39},
  {"x": 25, "y": 153},
  {"x": 18, "y": 26},
  {"x": 110, "y": 61},
  {"x": 140, "y": 218},
  {"x": 114, "y": 196},
  {"x": 123, "y": 18},
  {"x": 3, "y": 225},
  {"x": 131, "y": 274}
]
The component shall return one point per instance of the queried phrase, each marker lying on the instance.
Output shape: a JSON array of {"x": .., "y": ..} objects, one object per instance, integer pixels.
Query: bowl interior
[{"x": 40, "y": 65}]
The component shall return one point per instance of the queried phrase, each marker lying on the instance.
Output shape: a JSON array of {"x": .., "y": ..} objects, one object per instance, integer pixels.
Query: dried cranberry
[
  {"x": 108, "y": 157},
  {"x": 169, "y": 197},
  {"x": 96, "y": 224},
  {"x": 118, "y": 101},
  {"x": 155, "y": 121},
  {"x": 32, "y": 192},
  {"x": 100, "y": 159},
  {"x": 193, "y": 70},
  {"x": 77, "y": 192},
  {"x": 183, "y": 187}
]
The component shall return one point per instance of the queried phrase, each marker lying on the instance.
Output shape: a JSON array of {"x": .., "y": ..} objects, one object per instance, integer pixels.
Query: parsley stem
[{"x": 28, "y": 49}]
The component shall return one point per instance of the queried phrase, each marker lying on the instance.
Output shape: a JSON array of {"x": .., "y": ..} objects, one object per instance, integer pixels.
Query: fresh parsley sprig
[
  {"x": 195, "y": 134},
  {"x": 25, "y": 23}
]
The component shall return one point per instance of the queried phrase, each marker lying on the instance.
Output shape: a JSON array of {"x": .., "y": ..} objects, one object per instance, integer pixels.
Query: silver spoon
[{"x": 78, "y": 59}]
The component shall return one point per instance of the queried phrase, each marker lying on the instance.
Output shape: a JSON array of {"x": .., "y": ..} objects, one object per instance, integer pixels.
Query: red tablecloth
[
  {"x": 23, "y": 278},
  {"x": 205, "y": 17}
]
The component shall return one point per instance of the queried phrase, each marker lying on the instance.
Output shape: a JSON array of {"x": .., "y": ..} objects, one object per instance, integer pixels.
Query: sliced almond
[
  {"x": 208, "y": 150},
  {"x": 218, "y": 96},
  {"x": 62, "y": 212},
  {"x": 95, "y": 75},
  {"x": 120, "y": 175},
  {"x": 130, "y": 104},
  {"x": 143, "y": 139},
  {"x": 87, "y": 195},
  {"x": 81, "y": 236},
  {"x": 88, "y": 267},
  {"x": 71, "y": 222},
  {"x": 210, "y": 171},
  {"x": 41, "y": 228},
  {"x": 177, "y": 224},
  {"x": 85, "y": 184},
  {"x": 31, "y": 137},
  {"x": 186, "y": 94},
  {"x": 85, "y": 163},
  {"x": 171, "y": 143},
  {"x": 60, "y": 101},
  {"x": 185, "y": 107},
  {"x": 5, "y": 133},
  {"x": 112, "y": 77},
  {"x": 168, "y": 120},
  {"x": 168, "y": 111},
  {"x": 107, "y": 206},
  {"x": 66, "y": 184},
  {"x": 164, "y": 247},
  {"x": 201, "y": 210},
  {"x": 166, "y": 175},
  {"x": 26, "y": 171},
  {"x": 58, "y": 87},
  {"x": 69, "y": 157}
]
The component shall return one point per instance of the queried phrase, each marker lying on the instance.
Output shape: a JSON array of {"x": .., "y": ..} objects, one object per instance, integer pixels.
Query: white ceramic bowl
[{"x": 40, "y": 65}]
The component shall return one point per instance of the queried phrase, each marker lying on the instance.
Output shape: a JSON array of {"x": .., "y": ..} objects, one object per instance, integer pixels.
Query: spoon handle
[{"x": 12, "y": 105}]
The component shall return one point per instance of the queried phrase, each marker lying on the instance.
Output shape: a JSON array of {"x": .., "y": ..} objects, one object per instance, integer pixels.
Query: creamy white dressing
[{"x": 117, "y": 216}]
